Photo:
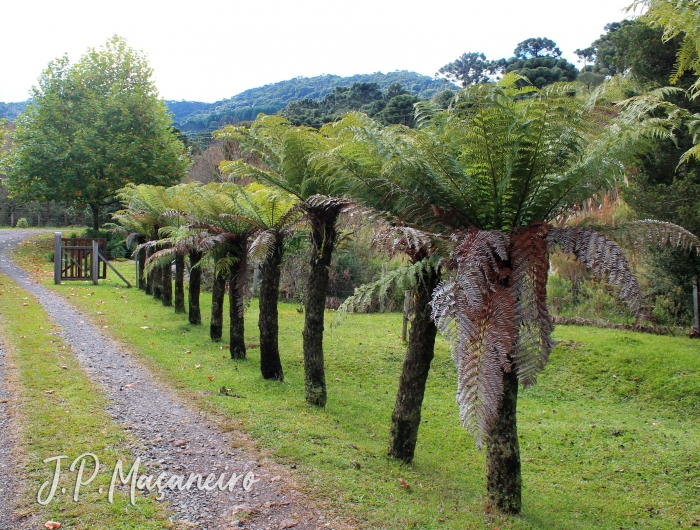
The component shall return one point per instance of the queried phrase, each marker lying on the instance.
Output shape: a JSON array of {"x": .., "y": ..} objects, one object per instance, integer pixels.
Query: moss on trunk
[
  {"x": 179, "y": 283},
  {"x": 405, "y": 419},
  {"x": 323, "y": 235},
  {"x": 236, "y": 317},
  {"x": 268, "y": 322},
  {"x": 141, "y": 264},
  {"x": 167, "y": 285},
  {"x": 218, "y": 292},
  {"x": 503, "y": 478},
  {"x": 195, "y": 287}
]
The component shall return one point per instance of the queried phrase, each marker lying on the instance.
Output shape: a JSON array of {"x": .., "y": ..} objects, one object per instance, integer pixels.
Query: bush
[
  {"x": 116, "y": 248},
  {"x": 22, "y": 223}
]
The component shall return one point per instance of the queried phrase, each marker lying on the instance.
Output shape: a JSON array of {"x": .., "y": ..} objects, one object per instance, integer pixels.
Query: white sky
[{"x": 208, "y": 50}]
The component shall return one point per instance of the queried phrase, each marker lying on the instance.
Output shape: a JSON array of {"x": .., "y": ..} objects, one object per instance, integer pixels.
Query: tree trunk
[
  {"x": 323, "y": 234},
  {"x": 157, "y": 283},
  {"x": 151, "y": 278},
  {"x": 268, "y": 322},
  {"x": 95, "y": 207},
  {"x": 218, "y": 291},
  {"x": 179, "y": 283},
  {"x": 195, "y": 314},
  {"x": 167, "y": 283},
  {"x": 236, "y": 319},
  {"x": 141, "y": 264},
  {"x": 503, "y": 479},
  {"x": 405, "y": 420}
]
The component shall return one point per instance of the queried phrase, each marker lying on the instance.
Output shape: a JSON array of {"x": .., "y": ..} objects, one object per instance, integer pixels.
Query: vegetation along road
[{"x": 169, "y": 438}]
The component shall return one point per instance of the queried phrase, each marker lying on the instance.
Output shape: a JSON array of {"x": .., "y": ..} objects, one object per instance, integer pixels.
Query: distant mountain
[
  {"x": 12, "y": 110},
  {"x": 195, "y": 116},
  {"x": 192, "y": 117}
]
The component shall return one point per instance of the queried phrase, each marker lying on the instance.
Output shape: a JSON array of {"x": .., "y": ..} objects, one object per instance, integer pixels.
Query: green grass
[
  {"x": 62, "y": 413},
  {"x": 609, "y": 436}
]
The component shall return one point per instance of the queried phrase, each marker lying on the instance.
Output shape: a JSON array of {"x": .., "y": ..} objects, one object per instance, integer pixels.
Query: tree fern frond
[
  {"x": 649, "y": 232},
  {"x": 160, "y": 258},
  {"x": 262, "y": 247},
  {"x": 528, "y": 284},
  {"x": 603, "y": 257},
  {"x": 409, "y": 276}
]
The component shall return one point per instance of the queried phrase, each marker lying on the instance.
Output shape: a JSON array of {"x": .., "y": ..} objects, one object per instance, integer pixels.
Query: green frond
[{"x": 406, "y": 277}]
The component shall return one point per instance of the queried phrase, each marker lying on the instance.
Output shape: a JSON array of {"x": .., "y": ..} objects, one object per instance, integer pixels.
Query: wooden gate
[{"x": 77, "y": 258}]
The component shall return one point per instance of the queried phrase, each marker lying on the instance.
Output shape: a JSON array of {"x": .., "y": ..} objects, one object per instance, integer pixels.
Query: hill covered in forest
[
  {"x": 12, "y": 110},
  {"x": 192, "y": 117},
  {"x": 196, "y": 116}
]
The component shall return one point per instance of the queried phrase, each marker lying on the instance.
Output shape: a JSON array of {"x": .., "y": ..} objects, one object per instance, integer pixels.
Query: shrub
[{"x": 22, "y": 223}]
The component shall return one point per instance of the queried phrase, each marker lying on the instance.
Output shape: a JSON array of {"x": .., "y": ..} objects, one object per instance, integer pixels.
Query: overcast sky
[{"x": 208, "y": 50}]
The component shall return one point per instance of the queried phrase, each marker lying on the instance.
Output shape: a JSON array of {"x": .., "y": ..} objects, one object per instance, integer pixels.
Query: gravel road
[{"x": 173, "y": 439}]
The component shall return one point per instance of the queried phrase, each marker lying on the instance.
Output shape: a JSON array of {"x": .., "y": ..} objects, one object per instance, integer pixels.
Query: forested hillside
[
  {"x": 195, "y": 117},
  {"x": 12, "y": 110}
]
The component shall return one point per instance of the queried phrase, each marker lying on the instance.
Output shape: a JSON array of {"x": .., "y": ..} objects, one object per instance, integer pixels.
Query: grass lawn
[
  {"x": 60, "y": 412},
  {"x": 609, "y": 436}
]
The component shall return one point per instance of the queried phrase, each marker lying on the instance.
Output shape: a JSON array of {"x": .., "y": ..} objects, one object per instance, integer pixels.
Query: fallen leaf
[
  {"x": 197, "y": 366},
  {"x": 130, "y": 385},
  {"x": 403, "y": 483},
  {"x": 48, "y": 391},
  {"x": 64, "y": 367},
  {"x": 288, "y": 523},
  {"x": 25, "y": 303},
  {"x": 52, "y": 525},
  {"x": 145, "y": 327},
  {"x": 211, "y": 378}
]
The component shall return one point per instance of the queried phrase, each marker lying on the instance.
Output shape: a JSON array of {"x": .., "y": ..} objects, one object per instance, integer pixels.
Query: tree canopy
[
  {"x": 93, "y": 127},
  {"x": 537, "y": 59}
]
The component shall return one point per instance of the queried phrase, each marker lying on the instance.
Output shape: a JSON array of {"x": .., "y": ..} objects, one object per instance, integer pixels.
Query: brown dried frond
[
  {"x": 528, "y": 284},
  {"x": 486, "y": 338},
  {"x": 601, "y": 256},
  {"x": 478, "y": 313},
  {"x": 326, "y": 202},
  {"x": 394, "y": 240},
  {"x": 659, "y": 233}
]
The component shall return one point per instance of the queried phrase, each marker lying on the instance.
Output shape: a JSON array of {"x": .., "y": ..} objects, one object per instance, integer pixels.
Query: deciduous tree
[{"x": 91, "y": 128}]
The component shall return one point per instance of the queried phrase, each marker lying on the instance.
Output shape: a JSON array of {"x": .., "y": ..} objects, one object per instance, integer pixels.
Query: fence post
[
  {"x": 95, "y": 262},
  {"x": 57, "y": 261}
]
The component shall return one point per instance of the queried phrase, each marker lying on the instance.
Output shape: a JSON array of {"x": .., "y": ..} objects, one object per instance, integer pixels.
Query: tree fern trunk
[
  {"x": 405, "y": 420},
  {"x": 268, "y": 322},
  {"x": 179, "y": 283},
  {"x": 150, "y": 279},
  {"x": 167, "y": 285},
  {"x": 236, "y": 319},
  {"x": 503, "y": 479},
  {"x": 195, "y": 287},
  {"x": 218, "y": 291},
  {"x": 157, "y": 283},
  {"x": 141, "y": 264},
  {"x": 323, "y": 234}
]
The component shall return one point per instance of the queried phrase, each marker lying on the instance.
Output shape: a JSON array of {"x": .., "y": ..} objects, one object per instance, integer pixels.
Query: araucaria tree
[
  {"x": 494, "y": 173},
  {"x": 93, "y": 127}
]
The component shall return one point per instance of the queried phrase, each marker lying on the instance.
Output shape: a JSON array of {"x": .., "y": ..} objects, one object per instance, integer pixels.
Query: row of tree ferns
[{"x": 474, "y": 196}]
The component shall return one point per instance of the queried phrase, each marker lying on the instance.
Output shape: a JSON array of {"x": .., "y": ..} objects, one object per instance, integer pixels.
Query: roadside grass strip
[{"x": 60, "y": 412}]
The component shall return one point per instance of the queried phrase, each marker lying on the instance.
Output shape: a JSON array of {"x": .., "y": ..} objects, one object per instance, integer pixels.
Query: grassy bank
[
  {"x": 609, "y": 436},
  {"x": 60, "y": 412}
]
